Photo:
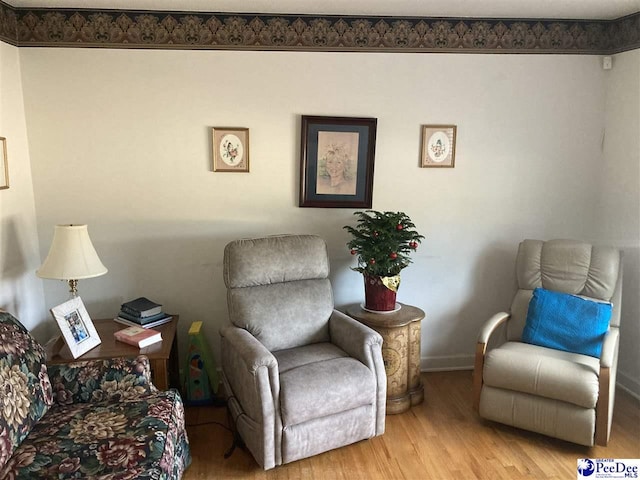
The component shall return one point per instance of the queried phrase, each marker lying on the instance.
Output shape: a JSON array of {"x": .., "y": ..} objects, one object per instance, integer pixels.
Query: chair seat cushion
[
  {"x": 555, "y": 374},
  {"x": 316, "y": 352},
  {"x": 323, "y": 388}
]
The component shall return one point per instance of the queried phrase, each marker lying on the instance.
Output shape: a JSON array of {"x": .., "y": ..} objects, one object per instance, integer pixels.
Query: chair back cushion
[
  {"x": 566, "y": 266},
  {"x": 278, "y": 289},
  {"x": 25, "y": 390}
]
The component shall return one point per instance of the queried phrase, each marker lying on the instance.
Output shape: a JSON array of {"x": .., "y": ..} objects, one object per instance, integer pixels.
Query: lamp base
[{"x": 73, "y": 288}]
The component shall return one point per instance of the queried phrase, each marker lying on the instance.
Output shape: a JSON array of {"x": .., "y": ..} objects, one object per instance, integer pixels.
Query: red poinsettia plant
[{"x": 383, "y": 242}]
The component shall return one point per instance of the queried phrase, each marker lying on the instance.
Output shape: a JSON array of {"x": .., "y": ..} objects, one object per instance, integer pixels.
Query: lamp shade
[{"x": 72, "y": 255}]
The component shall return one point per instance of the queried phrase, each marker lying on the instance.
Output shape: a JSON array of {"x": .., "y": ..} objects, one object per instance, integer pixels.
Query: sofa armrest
[
  {"x": 117, "y": 379},
  {"x": 365, "y": 345}
]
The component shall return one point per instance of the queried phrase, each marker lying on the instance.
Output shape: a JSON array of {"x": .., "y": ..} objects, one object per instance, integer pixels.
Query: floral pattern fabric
[
  {"x": 26, "y": 393},
  {"x": 101, "y": 420},
  {"x": 101, "y": 380},
  {"x": 142, "y": 438}
]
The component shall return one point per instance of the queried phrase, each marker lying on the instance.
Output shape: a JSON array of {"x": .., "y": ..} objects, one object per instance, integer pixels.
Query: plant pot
[{"x": 380, "y": 292}]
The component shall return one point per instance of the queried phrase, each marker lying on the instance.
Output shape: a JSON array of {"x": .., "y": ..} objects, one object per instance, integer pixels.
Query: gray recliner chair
[
  {"x": 554, "y": 392},
  {"x": 300, "y": 377}
]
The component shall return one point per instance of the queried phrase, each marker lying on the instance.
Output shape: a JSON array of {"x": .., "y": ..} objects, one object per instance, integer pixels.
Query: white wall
[
  {"x": 121, "y": 140},
  {"x": 618, "y": 208},
  {"x": 21, "y": 291}
]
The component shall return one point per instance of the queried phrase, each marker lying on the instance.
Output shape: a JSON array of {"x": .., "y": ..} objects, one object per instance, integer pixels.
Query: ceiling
[{"x": 524, "y": 9}]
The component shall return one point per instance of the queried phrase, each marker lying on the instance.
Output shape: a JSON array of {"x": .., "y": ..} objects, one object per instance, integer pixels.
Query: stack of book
[{"x": 142, "y": 312}]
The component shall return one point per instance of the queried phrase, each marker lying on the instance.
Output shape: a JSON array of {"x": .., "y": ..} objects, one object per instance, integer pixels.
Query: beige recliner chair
[
  {"x": 554, "y": 392},
  {"x": 300, "y": 377}
]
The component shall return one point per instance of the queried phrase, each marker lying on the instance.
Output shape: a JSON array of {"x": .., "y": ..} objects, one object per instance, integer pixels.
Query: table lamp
[{"x": 71, "y": 257}]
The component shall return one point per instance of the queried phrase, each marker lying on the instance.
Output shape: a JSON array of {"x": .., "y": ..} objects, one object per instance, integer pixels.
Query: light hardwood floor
[{"x": 440, "y": 439}]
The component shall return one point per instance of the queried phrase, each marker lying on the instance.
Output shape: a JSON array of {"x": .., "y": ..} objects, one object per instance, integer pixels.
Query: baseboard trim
[
  {"x": 628, "y": 384},
  {"x": 446, "y": 363}
]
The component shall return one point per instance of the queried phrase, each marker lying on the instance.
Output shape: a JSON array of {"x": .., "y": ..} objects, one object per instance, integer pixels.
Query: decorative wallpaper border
[
  {"x": 222, "y": 31},
  {"x": 8, "y": 24}
]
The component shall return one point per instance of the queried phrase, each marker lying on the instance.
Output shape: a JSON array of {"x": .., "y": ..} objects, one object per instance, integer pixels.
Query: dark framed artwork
[{"x": 336, "y": 164}]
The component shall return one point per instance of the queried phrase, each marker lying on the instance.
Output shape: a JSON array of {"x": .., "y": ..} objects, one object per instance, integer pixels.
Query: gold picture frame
[
  {"x": 438, "y": 146},
  {"x": 4, "y": 164},
  {"x": 76, "y": 326},
  {"x": 230, "y": 149}
]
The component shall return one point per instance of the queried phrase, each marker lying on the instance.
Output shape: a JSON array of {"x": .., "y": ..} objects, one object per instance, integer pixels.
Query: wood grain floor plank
[{"x": 440, "y": 439}]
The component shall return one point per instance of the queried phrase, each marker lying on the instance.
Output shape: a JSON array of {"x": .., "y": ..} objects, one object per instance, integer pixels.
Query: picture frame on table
[
  {"x": 230, "y": 149},
  {"x": 76, "y": 326},
  {"x": 438, "y": 146},
  {"x": 4, "y": 164},
  {"x": 336, "y": 161}
]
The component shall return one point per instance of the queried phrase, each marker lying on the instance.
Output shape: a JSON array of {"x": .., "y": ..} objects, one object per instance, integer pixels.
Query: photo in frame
[
  {"x": 336, "y": 161},
  {"x": 4, "y": 164},
  {"x": 230, "y": 149},
  {"x": 76, "y": 326},
  {"x": 438, "y": 146}
]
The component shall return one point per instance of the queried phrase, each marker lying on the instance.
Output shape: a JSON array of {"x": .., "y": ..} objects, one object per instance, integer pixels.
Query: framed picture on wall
[
  {"x": 336, "y": 161},
  {"x": 4, "y": 164},
  {"x": 230, "y": 149},
  {"x": 78, "y": 330},
  {"x": 438, "y": 146}
]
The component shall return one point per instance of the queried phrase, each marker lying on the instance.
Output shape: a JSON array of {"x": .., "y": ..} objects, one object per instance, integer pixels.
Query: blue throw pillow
[{"x": 566, "y": 322}]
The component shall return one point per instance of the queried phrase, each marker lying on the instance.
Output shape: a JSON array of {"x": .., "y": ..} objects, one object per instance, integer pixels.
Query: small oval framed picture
[
  {"x": 438, "y": 146},
  {"x": 230, "y": 149}
]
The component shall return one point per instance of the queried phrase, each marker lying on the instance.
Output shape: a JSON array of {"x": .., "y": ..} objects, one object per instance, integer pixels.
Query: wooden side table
[
  {"x": 163, "y": 356},
  {"x": 400, "y": 351}
]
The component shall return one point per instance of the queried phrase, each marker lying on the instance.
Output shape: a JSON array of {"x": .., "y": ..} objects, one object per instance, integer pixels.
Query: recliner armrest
[
  {"x": 353, "y": 337},
  {"x": 252, "y": 373},
  {"x": 365, "y": 345},
  {"x": 251, "y": 351},
  {"x": 609, "y": 348},
  {"x": 486, "y": 331},
  {"x": 490, "y": 326}
]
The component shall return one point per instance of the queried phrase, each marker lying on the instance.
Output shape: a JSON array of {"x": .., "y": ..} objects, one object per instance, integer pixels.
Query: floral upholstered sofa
[{"x": 91, "y": 420}]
